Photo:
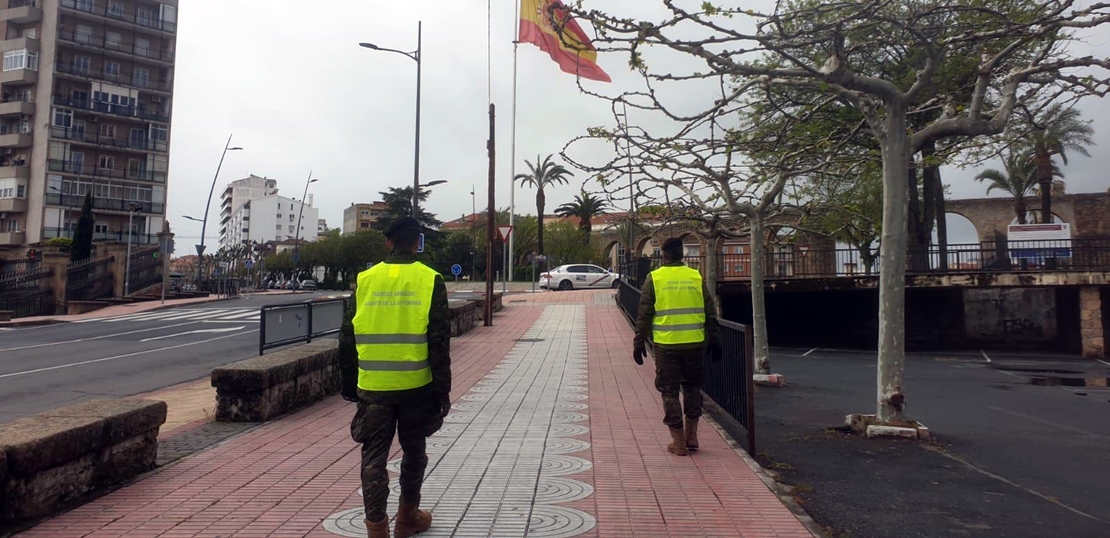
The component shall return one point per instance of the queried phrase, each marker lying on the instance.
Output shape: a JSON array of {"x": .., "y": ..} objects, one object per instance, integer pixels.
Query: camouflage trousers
[
  {"x": 679, "y": 369},
  {"x": 373, "y": 426}
]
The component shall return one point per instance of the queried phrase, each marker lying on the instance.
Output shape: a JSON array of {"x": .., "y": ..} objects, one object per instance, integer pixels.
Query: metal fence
[
  {"x": 27, "y": 293},
  {"x": 728, "y": 383},
  {"x": 13, "y": 266},
  {"x": 144, "y": 269},
  {"x": 292, "y": 323},
  {"x": 90, "y": 279}
]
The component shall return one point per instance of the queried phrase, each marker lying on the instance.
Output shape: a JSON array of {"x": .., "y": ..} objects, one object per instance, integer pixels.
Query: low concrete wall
[
  {"x": 259, "y": 389},
  {"x": 464, "y": 317},
  {"x": 76, "y": 308},
  {"x": 54, "y": 457}
]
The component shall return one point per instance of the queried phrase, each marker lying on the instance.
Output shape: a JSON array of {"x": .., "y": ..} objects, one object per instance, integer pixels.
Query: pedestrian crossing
[{"x": 213, "y": 315}]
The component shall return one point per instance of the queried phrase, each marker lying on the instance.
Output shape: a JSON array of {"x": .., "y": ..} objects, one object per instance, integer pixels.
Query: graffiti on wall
[{"x": 1009, "y": 315}]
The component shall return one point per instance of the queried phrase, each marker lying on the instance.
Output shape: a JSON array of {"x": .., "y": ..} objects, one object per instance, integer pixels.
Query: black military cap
[
  {"x": 672, "y": 243},
  {"x": 401, "y": 224}
]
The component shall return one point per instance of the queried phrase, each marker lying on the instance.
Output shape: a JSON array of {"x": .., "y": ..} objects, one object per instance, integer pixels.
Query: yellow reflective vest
[
  {"x": 391, "y": 326},
  {"x": 679, "y": 306}
]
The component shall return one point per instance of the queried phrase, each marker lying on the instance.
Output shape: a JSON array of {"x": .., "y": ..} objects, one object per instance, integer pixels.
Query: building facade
[
  {"x": 236, "y": 195},
  {"x": 86, "y": 96},
  {"x": 272, "y": 218},
  {"x": 359, "y": 217}
]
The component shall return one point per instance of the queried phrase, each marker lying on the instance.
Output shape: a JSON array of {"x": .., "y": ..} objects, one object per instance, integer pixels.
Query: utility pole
[{"x": 491, "y": 220}]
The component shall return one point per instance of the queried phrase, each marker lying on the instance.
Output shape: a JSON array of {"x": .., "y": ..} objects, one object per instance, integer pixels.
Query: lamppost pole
[
  {"x": 297, "y": 237},
  {"x": 212, "y": 189}
]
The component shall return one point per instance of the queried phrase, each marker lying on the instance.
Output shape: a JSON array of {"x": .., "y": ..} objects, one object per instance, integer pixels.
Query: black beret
[
  {"x": 672, "y": 243},
  {"x": 403, "y": 223}
]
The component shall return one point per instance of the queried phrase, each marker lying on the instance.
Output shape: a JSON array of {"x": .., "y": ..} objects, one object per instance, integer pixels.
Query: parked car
[
  {"x": 577, "y": 277},
  {"x": 309, "y": 285}
]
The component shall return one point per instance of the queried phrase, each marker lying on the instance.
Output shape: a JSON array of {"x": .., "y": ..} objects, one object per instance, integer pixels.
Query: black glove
[
  {"x": 444, "y": 403},
  {"x": 350, "y": 392},
  {"x": 715, "y": 353},
  {"x": 441, "y": 405},
  {"x": 638, "y": 355}
]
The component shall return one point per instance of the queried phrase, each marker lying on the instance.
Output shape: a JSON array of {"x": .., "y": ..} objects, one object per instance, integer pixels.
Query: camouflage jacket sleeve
[
  {"x": 712, "y": 331},
  {"x": 646, "y": 315},
  {"x": 439, "y": 339},
  {"x": 348, "y": 353}
]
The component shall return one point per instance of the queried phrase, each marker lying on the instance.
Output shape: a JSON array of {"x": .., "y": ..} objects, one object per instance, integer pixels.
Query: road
[{"x": 47, "y": 367}]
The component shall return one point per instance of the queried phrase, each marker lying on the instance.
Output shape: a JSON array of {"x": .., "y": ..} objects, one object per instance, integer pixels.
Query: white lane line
[
  {"x": 97, "y": 337},
  {"x": 1103, "y": 362},
  {"x": 230, "y": 321},
  {"x": 14, "y": 374},
  {"x": 238, "y": 315},
  {"x": 148, "y": 316},
  {"x": 1050, "y": 423},
  {"x": 985, "y": 356},
  {"x": 197, "y": 314},
  {"x": 198, "y": 331},
  {"x": 806, "y": 354}
]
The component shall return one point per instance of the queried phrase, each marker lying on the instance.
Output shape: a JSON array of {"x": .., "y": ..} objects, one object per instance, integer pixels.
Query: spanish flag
[{"x": 572, "y": 49}]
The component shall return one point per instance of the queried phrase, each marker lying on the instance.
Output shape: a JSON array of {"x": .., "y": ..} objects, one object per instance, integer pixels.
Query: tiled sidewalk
[{"x": 555, "y": 433}]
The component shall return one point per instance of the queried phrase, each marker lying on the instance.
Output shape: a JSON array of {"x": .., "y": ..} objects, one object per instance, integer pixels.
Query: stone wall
[
  {"x": 464, "y": 317},
  {"x": 1010, "y": 315},
  {"x": 262, "y": 388},
  {"x": 1091, "y": 322},
  {"x": 55, "y": 457}
]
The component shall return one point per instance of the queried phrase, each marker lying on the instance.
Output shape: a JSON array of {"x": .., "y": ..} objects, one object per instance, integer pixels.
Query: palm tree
[
  {"x": 541, "y": 175},
  {"x": 585, "y": 206},
  {"x": 1018, "y": 178},
  {"x": 1058, "y": 131}
]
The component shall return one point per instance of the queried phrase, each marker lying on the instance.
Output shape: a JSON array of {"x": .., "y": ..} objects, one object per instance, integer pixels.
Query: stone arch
[
  {"x": 642, "y": 244},
  {"x": 615, "y": 252},
  {"x": 961, "y": 230}
]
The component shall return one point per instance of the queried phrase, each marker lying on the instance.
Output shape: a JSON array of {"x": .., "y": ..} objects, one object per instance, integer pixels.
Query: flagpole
[{"x": 512, "y": 149}]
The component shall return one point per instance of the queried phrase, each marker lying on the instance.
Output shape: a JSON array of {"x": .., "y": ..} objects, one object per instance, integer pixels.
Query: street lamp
[
  {"x": 415, "y": 56},
  {"x": 204, "y": 223},
  {"x": 132, "y": 207},
  {"x": 297, "y": 237}
]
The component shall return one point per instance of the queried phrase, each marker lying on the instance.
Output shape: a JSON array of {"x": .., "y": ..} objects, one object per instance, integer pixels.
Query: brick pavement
[{"x": 555, "y": 433}]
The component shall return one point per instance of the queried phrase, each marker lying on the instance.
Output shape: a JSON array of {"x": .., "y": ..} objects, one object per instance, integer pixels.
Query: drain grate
[{"x": 530, "y": 340}]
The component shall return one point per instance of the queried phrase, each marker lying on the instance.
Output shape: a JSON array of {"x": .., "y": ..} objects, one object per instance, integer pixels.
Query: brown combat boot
[
  {"x": 691, "y": 433},
  {"x": 411, "y": 520},
  {"x": 678, "y": 442},
  {"x": 377, "y": 530}
]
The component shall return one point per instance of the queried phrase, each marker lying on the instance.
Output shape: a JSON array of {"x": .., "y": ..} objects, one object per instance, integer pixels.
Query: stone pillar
[
  {"x": 119, "y": 265},
  {"x": 1090, "y": 322},
  {"x": 57, "y": 262}
]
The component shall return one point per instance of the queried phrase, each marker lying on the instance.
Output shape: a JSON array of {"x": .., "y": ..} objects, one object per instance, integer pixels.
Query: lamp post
[
  {"x": 204, "y": 223},
  {"x": 297, "y": 237},
  {"x": 200, "y": 248},
  {"x": 131, "y": 209},
  {"x": 415, "y": 56}
]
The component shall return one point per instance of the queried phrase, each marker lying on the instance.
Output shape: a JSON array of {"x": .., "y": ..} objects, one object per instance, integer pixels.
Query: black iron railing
[
  {"x": 13, "y": 266},
  {"x": 144, "y": 269},
  {"x": 90, "y": 279},
  {"x": 103, "y": 42},
  {"x": 293, "y": 323},
  {"x": 119, "y": 11},
  {"x": 133, "y": 79},
  {"x": 93, "y": 170},
  {"x": 96, "y": 137},
  {"x": 141, "y": 111},
  {"x": 27, "y": 293},
  {"x": 728, "y": 383},
  {"x": 119, "y": 236}
]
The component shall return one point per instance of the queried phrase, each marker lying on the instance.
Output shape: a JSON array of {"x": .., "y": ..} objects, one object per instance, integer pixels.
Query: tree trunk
[
  {"x": 892, "y": 269},
  {"x": 539, "y": 219},
  {"x": 712, "y": 270},
  {"x": 930, "y": 177},
  {"x": 1020, "y": 209},
  {"x": 1044, "y": 177},
  {"x": 759, "y": 311},
  {"x": 916, "y": 246}
]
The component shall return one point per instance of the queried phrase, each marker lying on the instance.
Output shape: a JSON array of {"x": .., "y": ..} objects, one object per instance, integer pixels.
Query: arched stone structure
[{"x": 1088, "y": 214}]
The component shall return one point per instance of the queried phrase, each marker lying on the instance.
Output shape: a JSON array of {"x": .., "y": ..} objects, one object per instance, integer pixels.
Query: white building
[
  {"x": 236, "y": 195},
  {"x": 271, "y": 218}
]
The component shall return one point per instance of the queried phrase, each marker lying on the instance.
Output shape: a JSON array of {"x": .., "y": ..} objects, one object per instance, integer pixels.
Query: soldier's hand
[
  {"x": 350, "y": 393},
  {"x": 444, "y": 401},
  {"x": 716, "y": 353},
  {"x": 638, "y": 355}
]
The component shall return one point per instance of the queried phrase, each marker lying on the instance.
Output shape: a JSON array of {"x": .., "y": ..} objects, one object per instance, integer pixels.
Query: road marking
[
  {"x": 1072, "y": 429},
  {"x": 806, "y": 354},
  {"x": 985, "y": 356},
  {"x": 1008, "y": 482},
  {"x": 1103, "y": 362},
  {"x": 196, "y": 314},
  {"x": 198, "y": 331},
  {"x": 35, "y": 371},
  {"x": 97, "y": 337},
  {"x": 239, "y": 315}
]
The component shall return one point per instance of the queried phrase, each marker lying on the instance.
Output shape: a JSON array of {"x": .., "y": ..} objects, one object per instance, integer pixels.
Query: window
[
  {"x": 84, "y": 5},
  {"x": 21, "y": 59},
  {"x": 107, "y": 131},
  {"x": 100, "y": 228},
  {"x": 279, "y": 215},
  {"x": 159, "y": 133},
  {"x": 84, "y": 34},
  {"x": 107, "y": 162},
  {"x": 364, "y": 225},
  {"x": 279, "y": 227},
  {"x": 30, "y": 32},
  {"x": 24, "y": 95},
  {"x": 144, "y": 16},
  {"x": 111, "y": 69},
  {"x": 19, "y": 191},
  {"x": 290, "y": 229},
  {"x": 113, "y": 40},
  {"x": 115, "y": 9},
  {"x": 82, "y": 65},
  {"x": 138, "y": 137},
  {"x": 142, "y": 46},
  {"x": 142, "y": 77},
  {"x": 77, "y": 163},
  {"x": 79, "y": 129},
  {"x": 136, "y": 168},
  {"x": 290, "y": 217},
  {"x": 13, "y": 225}
]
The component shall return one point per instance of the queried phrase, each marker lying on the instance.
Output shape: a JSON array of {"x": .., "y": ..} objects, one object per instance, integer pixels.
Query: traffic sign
[
  {"x": 224, "y": 265},
  {"x": 249, "y": 264},
  {"x": 505, "y": 232},
  {"x": 420, "y": 247},
  {"x": 456, "y": 269}
]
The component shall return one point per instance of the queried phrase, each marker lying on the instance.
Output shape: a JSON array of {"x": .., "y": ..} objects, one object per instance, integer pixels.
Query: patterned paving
[{"x": 503, "y": 462}]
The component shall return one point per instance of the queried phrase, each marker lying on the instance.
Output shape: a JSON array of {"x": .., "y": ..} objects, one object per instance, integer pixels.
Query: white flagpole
[{"x": 512, "y": 149}]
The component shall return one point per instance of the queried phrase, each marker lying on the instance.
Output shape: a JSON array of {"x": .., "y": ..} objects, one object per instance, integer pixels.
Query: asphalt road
[
  {"x": 1010, "y": 458},
  {"x": 51, "y": 366}
]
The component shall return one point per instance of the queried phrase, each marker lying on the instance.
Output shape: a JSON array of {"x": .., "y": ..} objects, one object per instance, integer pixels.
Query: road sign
[
  {"x": 200, "y": 250},
  {"x": 420, "y": 247},
  {"x": 456, "y": 269},
  {"x": 541, "y": 258},
  {"x": 224, "y": 265},
  {"x": 505, "y": 232},
  {"x": 249, "y": 264}
]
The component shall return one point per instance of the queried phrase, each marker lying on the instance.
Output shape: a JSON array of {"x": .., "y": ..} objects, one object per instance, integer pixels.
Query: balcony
[
  {"x": 13, "y": 205},
  {"x": 103, "y": 43},
  {"x": 141, "y": 112},
  {"x": 89, "y": 170},
  {"x": 15, "y": 171},
  {"x": 19, "y": 77},
  {"x": 16, "y": 140},
  {"x": 16, "y": 108},
  {"x": 12, "y": 238},
  {"x": 120, "y": 236},
  {"x": 147, "y": 20},
  {"x": 31, "y": 44},
  {"x": 21, "y": 12},
  {"x": 87, "y": 73},
  {"x": 93, "y": 137},
  {"x": 103, "y": 204}
]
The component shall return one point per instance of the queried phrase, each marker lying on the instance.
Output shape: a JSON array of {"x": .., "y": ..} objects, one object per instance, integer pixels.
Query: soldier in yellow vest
[
  {"x": 678, "y": 316},
  {"x": 395, "y": 360}
]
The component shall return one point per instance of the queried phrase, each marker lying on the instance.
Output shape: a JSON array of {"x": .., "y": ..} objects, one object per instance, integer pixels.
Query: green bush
[{"x": 64, "y": 242}]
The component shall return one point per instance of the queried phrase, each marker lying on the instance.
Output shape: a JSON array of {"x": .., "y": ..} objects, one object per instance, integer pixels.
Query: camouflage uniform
[
  {"x": 412, "y": 413},
  {"x": 677, "y": 366}
]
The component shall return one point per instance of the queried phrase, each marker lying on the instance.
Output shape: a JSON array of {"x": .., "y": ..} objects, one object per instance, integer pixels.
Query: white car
[{"x": 578, "y": 277}]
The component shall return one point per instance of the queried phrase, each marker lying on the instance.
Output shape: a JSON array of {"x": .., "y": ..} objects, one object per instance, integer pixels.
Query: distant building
[
  {"x": 235, "y": 196},
  {"x": 322, "y": 227},
  {"x": 360, "y": 217},
  {"x": 272, "y": 218},
  {"x": 464, "y": 223}
]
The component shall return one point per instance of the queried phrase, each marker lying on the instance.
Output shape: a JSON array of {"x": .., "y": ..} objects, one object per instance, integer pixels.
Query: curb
[{"x": 780, "y": 490}]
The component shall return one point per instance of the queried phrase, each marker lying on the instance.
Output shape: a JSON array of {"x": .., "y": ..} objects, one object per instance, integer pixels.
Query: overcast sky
[{"x": 289, "y": 79}]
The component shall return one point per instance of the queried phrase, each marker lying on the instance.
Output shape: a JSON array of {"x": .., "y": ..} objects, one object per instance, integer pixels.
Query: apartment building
[
  {"x": 360, "y": 217},
  {"x": 86, "y": 97},
  {"x": 236, "y": 195},
  {"x": 273, "y": 218}
]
